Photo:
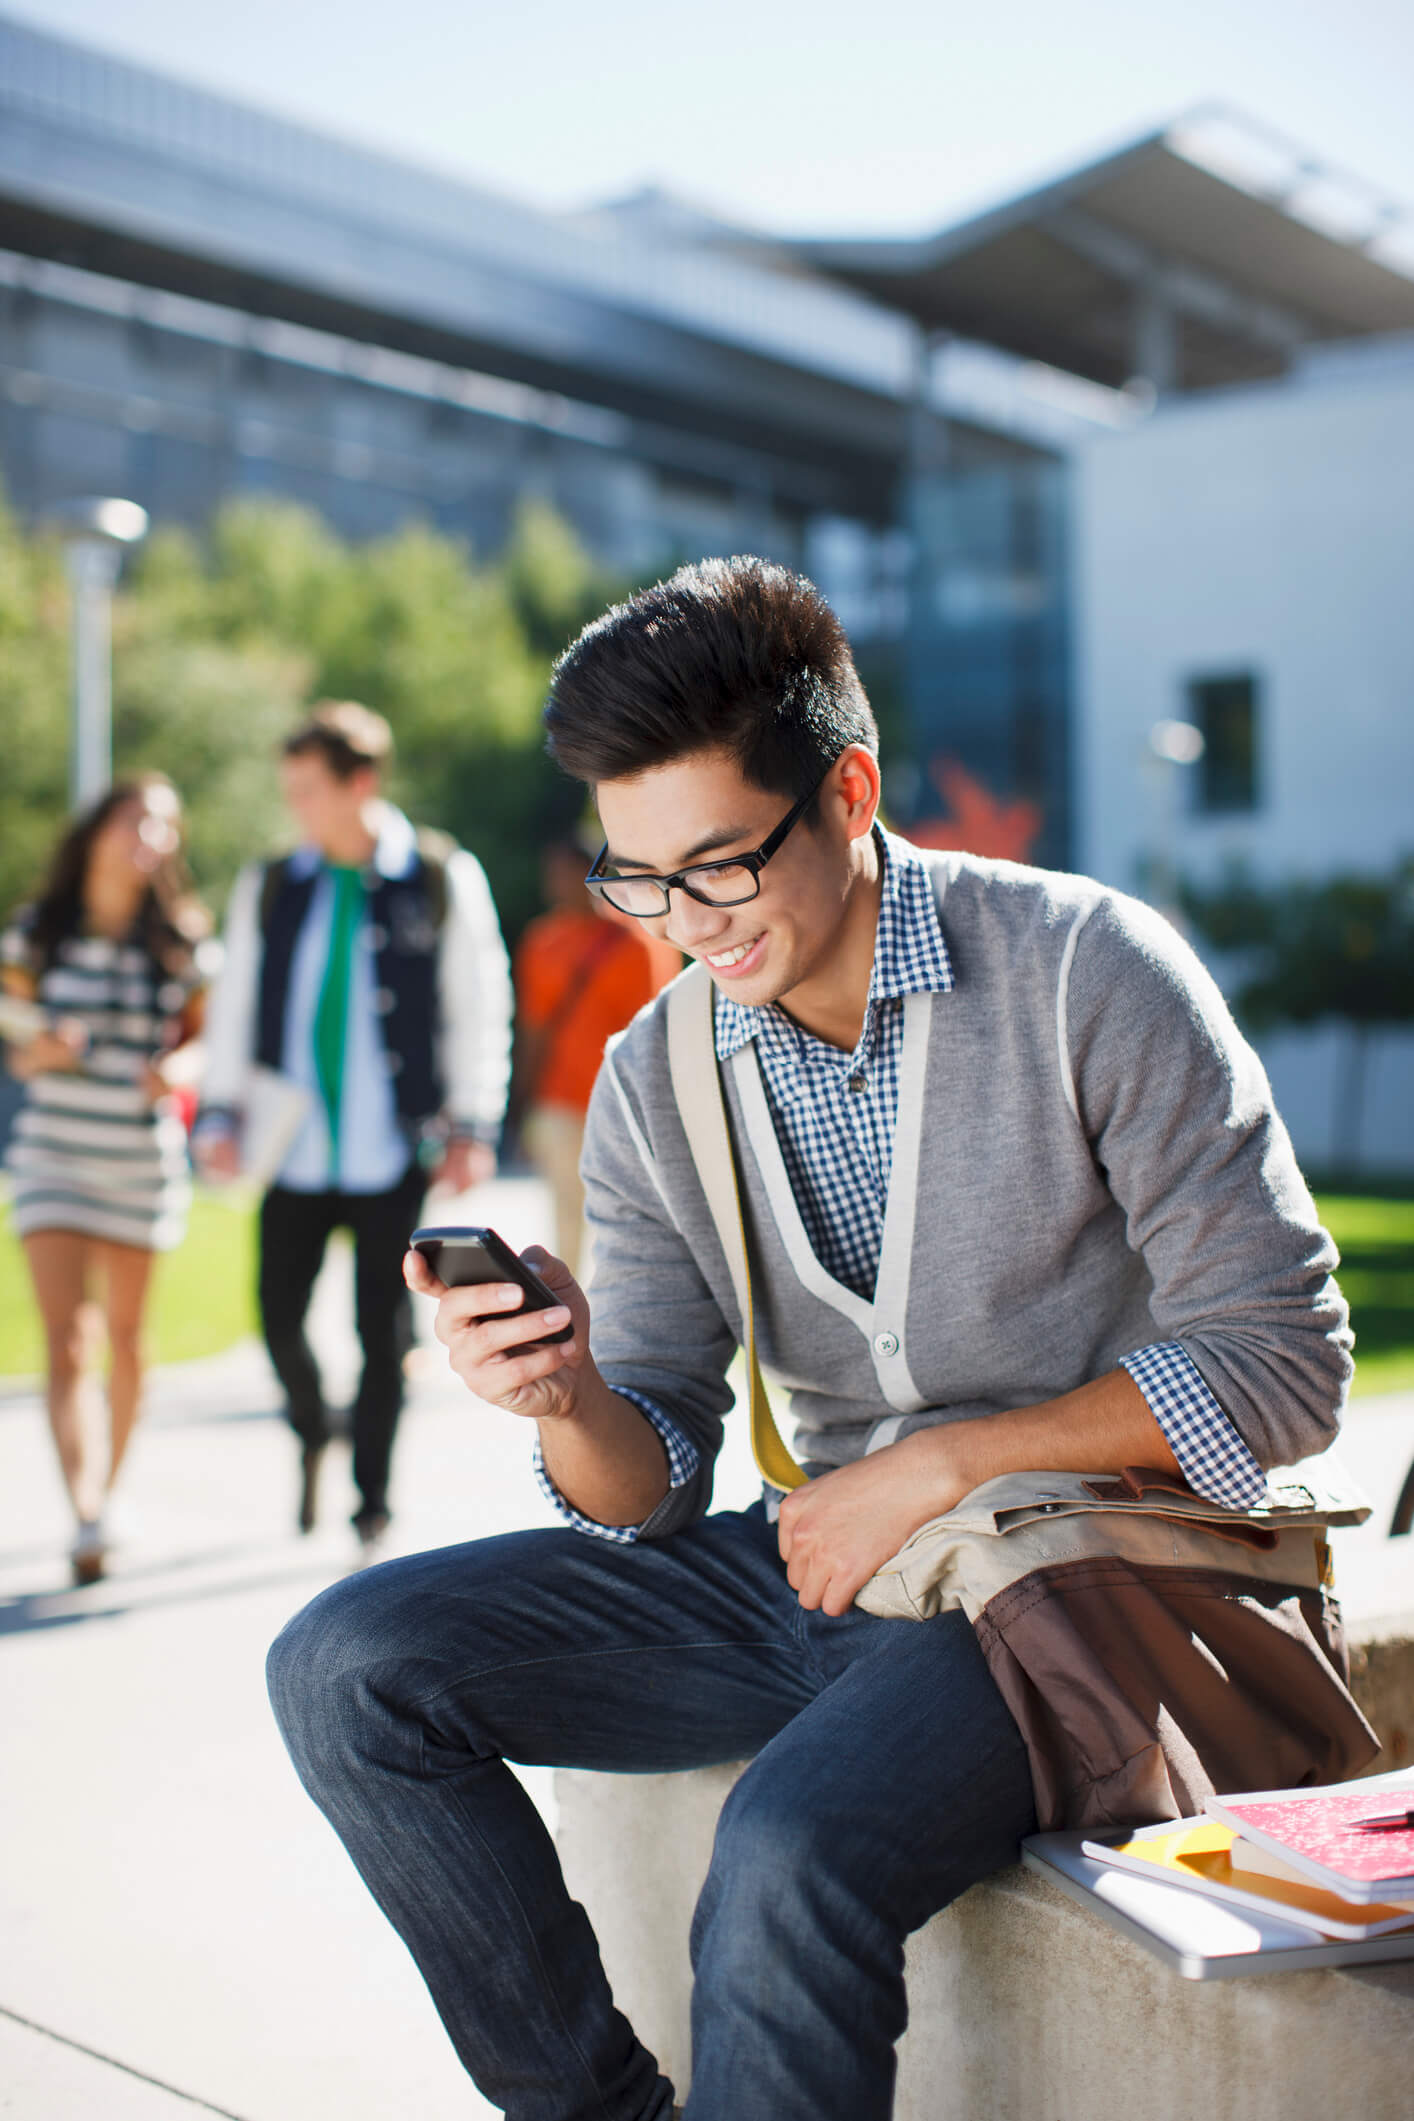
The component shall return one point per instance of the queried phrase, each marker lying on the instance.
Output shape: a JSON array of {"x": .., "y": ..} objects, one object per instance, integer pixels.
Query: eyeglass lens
[{"x": 720, "y": 884}]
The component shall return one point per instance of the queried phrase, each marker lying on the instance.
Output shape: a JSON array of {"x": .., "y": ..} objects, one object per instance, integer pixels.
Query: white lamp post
[
  {"x": 1172, "y": 746},
  {"x": 96, "y": 533}
]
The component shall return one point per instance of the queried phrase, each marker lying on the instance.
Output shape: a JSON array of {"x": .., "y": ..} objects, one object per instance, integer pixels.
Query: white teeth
[{"x": 724, "y": 958}]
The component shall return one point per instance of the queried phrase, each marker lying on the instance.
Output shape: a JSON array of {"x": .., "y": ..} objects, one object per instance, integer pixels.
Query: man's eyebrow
[{"x": 707, "y": 845}]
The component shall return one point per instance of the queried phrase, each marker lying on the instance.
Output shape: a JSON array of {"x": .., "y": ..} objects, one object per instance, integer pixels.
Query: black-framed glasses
[{"x": 728, "y": 883}]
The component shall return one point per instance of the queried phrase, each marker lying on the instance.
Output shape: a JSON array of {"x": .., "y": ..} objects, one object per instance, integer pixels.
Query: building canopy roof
[{"x": 1210, "y": 247}]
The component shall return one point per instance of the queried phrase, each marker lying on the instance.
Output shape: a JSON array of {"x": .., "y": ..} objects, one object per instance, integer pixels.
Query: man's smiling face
[{"x": 700, "y": 808}]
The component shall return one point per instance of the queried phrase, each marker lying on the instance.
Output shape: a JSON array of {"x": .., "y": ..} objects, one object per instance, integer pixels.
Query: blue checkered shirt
[{"x": 834, "y": 1116}]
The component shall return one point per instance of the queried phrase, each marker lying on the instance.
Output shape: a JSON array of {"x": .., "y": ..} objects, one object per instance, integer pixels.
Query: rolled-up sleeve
[
  {"x": 684, "y": 1458},
  {"x": 1211, "y": 1455}
]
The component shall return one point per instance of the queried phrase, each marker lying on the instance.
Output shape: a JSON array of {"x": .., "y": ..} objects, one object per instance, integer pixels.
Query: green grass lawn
[
  {"x": 203, "y": 1296},
  {"x": 1375, "y": 1233}
]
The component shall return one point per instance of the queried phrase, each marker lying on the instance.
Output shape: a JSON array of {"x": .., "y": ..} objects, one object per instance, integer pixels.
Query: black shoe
[
  {"x": 371, "y": 1527},
  {"x": 310, "y": 1462}
]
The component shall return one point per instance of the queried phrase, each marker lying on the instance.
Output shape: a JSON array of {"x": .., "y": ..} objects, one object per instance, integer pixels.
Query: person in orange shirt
[{"x": 581, "y": 973}]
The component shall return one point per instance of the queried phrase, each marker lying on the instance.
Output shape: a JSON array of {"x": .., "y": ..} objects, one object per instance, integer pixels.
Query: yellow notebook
[{"x": 1207, "y": 1857}]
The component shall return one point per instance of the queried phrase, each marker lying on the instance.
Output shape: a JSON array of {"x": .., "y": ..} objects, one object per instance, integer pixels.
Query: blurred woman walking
[{"x": 103, "y": 1001}]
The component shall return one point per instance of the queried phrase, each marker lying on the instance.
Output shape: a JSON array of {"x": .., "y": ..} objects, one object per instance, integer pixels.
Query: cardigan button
[{"x": 886, "y": 1344}]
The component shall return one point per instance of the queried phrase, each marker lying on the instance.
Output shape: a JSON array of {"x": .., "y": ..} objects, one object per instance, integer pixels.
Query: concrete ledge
[
  {"x": 1382, "y": 1681},
  {"x": 1022, "y": 2006}
]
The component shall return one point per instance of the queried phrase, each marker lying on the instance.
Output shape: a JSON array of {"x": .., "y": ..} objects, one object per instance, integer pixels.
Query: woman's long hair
[{"x": 170, "y": 921}]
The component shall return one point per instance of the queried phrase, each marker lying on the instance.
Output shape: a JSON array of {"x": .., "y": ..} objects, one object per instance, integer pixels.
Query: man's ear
[{"x": 857, "y": 780}]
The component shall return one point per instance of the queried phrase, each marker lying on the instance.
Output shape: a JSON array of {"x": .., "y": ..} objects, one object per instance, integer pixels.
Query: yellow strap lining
[{"x": 697, "y": 1087}]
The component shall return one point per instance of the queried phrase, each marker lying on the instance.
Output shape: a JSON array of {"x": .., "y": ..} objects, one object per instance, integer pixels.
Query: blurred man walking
[{"x": 367, "y": 970}]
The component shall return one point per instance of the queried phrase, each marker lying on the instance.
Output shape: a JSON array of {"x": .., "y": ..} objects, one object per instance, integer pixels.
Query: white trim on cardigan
[{"x": 896, "y": 1381}]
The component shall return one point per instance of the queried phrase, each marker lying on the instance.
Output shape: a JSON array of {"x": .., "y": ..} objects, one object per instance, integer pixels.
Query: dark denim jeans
[{"x": 887, "y": 1777}]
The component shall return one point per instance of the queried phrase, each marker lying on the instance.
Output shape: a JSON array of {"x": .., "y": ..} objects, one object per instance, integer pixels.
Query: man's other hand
[{"x": 835, "y": 1532}]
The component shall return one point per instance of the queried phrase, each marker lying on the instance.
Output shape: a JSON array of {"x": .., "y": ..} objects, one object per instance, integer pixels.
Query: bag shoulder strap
[{"x": 697, "y": 1088}]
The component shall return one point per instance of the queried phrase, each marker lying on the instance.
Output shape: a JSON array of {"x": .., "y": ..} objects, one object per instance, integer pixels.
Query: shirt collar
[
  {"x": 392, "y": 856},
  {"x": 910, "y": 954}
]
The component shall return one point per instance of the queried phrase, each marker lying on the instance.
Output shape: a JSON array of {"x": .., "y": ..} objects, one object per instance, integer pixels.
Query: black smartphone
[{"x": 462, "y": 1255}]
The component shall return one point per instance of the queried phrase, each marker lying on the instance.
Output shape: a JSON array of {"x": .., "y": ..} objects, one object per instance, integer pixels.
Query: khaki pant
[{"x": 553, "y": 1137}]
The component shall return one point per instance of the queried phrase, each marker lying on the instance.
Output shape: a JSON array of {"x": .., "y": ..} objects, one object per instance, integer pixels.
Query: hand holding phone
[
  {"x": 470, "y": 1256},
  {"x": 486, "y": 1296}
]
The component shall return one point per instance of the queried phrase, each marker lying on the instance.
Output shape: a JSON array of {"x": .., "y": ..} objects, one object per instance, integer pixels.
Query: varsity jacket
[{"x": 442, "y": 991}]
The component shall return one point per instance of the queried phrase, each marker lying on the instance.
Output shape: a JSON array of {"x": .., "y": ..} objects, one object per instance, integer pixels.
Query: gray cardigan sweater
[{"x": 1086, "y": 1160}]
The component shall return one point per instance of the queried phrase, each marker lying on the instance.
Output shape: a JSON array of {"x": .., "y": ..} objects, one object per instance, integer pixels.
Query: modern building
[
  {"x": 1133, "y": 447},
  {"x": 1242, "y": 563}
]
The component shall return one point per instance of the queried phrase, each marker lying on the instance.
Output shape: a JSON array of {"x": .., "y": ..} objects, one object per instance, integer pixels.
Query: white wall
[{"x": 1269, "y": 529}]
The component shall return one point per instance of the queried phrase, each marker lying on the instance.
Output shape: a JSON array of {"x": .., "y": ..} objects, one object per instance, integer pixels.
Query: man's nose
[{"x": 690, "y": 924}]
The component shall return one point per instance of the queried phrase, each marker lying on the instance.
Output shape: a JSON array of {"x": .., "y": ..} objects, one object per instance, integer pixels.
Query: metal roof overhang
[
  {"x": 1057, "y": 275},
  {"x": 720, "y": 371}
]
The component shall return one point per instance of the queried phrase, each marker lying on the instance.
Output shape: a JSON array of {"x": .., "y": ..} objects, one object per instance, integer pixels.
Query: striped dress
[{"x": 88, "y": 1152}]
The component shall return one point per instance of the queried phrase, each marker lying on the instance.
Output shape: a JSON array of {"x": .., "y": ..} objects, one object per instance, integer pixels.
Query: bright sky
[{"x": 877, "y": 115}]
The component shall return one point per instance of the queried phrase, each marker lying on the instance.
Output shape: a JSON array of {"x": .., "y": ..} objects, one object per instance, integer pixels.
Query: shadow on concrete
[
  {"x": 170, "y": 1417},
  {"x": 33, "y": 1612},
  {"x": 173, "y": 1417}
]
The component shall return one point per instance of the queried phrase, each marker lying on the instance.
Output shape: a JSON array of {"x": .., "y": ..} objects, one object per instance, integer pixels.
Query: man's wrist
[
  {"x": 603, "y": 1468},
  {"x": 948, "y": 1459},
  {"x": 588, "y": 1401}
]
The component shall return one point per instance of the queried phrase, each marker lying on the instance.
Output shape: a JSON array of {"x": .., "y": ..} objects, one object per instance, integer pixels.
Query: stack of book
[{"x": 1337, "y": 1862}]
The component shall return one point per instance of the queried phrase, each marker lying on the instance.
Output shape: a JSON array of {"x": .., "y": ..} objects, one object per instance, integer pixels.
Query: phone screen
[{"x": 463, "y": 1256}]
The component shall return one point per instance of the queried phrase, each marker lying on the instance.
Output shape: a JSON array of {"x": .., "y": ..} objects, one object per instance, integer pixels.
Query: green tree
[
  {"x": 554, "y": 586},
  {"x": 1341, "y": 948},
  {"x": 221, "y": 640},
  {"x": 34, "y": 692}
]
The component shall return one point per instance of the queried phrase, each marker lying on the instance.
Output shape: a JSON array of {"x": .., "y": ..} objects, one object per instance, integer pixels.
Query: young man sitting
[{"x": 1016, "y": 1198}]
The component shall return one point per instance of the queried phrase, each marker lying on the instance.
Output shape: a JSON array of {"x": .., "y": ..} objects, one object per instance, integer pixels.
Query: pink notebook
[{"x": 1316, "y": 1831}]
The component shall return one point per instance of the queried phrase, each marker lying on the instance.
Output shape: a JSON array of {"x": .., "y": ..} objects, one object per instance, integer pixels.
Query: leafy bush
[{"x": 1308, "y": 950}]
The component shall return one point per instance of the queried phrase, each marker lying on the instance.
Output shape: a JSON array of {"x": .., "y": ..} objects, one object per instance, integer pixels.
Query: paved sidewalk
[{"x": 179, "y": 1931}]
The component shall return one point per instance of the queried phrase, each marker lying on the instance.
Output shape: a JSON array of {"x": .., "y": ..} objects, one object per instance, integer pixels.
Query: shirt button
[
  {"x": 856, "y": 1083},
  {"x": 886, "y": 1344},
  {"x": 384, "y": 1000}
]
